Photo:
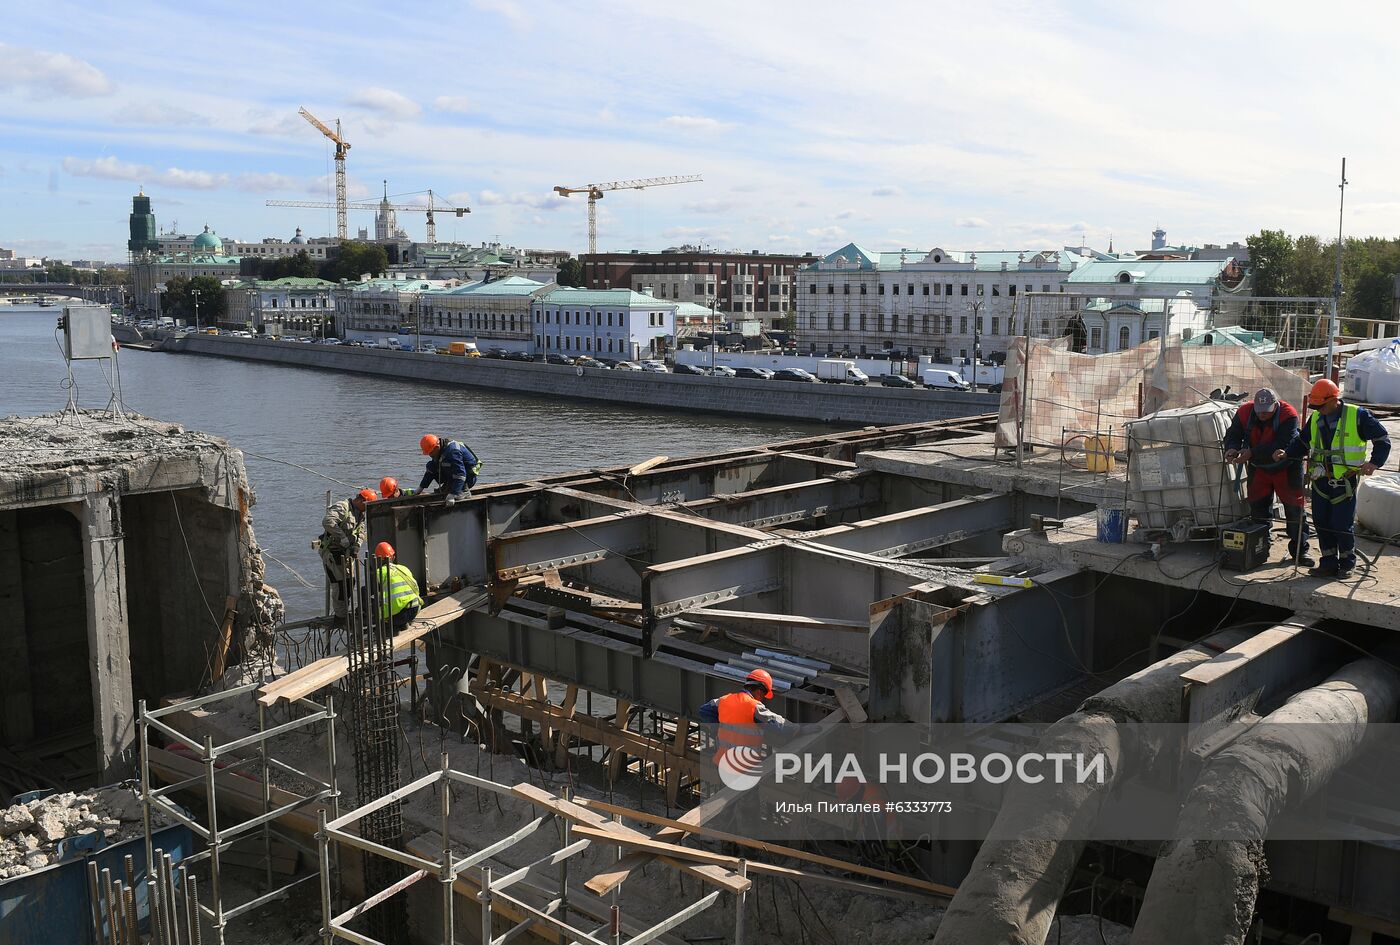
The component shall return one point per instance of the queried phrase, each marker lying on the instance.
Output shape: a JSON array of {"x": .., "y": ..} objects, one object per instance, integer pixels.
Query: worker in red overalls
[{"x": 1260, "y": 429}]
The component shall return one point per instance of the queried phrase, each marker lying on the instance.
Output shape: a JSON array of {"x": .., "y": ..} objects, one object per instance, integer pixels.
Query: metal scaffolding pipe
[
  {"x": 1025, "y": 864},
  {"x": 1206, "y": 881}
]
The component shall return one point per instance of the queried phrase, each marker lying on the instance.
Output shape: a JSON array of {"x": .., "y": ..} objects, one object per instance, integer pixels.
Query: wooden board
[{"x": 320, "y": 674}]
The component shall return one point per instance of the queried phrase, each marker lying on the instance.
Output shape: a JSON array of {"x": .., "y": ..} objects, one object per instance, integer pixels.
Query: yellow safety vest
[
  {"x": 1347, "y": 453},
  {"x": 402, "y": 590}
]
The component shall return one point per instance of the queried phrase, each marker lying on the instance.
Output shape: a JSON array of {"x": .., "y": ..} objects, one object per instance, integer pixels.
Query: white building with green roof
[
  {"x": 923, "y": 302},
  {"x": 605, "y": 323}
]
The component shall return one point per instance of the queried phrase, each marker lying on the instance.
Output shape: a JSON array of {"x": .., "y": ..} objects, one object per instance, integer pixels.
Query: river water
[{"x": 352, "y": 428}]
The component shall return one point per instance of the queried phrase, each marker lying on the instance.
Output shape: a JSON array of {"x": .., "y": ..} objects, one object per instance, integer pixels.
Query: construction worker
[
  {"x": 389, "y": 489},
  {"x": 741, "y": 715},
  {"x": 1260, "y": 429},
  {"x": 398, "y": 589},
  {"x": 451, "y": 464},
  {"x": 342, "y": 534},
  {"x": 1334, "y": 441}
]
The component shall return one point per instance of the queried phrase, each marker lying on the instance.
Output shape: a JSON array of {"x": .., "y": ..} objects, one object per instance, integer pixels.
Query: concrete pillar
[{"x": 109, "y": 650}]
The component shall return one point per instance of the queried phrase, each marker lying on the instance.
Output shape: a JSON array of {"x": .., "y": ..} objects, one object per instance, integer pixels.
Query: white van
[
  {"x": 391, "y": 343},
  {"x": 940, "y": 379},
  {"x": 837, "y": 371}
]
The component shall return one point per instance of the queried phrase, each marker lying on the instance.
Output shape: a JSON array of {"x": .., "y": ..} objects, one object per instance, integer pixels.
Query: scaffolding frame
[
  {"x": 215, "y": 837},
  {"x": 492, "y": 888}
]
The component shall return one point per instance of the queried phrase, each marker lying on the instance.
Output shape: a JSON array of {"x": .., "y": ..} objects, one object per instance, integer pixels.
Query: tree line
[
  {"x": 1284, "y": 265},
  {"x": 353, "y": 260}
]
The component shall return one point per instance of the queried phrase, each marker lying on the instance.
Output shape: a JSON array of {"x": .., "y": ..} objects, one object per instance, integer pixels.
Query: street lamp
[
  {"x": 194, "y": 293},
  {"x": 159, "y": 291},
  {"x": 976, "y": 338},
  {"x": 714, "y": 304}
]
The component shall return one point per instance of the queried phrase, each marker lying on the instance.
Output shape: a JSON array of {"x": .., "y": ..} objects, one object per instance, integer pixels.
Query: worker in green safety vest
[{"x": 398, "y": 589}]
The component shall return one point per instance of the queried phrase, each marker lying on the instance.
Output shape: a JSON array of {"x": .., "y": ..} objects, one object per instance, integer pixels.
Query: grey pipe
[
  {"x": 1203, "y": 888},
  {"x": 1024, "y": 866}
]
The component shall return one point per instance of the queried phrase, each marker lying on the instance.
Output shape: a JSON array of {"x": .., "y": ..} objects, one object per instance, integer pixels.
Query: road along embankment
[{"x": 822, "y": 403}]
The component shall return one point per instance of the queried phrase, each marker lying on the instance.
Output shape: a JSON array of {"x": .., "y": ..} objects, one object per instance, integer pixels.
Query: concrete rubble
[{"x": 30, "y": 833}]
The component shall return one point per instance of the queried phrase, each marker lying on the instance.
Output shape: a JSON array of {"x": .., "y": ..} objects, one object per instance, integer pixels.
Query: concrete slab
[{"x": 1371, "y": 596}]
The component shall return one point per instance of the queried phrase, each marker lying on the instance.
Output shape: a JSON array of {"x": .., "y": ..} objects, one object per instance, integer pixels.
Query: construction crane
[
  {"x": 382, "y": 205},
  {"x": 341, "y": 146},
  {"x": 595, "y": 193}
]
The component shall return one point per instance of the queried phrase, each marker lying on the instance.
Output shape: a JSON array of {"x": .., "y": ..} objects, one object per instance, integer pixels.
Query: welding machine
[{"x": 1244, "y": 545}]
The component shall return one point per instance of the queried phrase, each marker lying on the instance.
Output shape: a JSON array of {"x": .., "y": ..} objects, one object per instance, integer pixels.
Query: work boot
[
  {"x": 1345, "y": 566},
  {"x": 1327, "y": 569},
  {"x": 1304, "y": 560}
]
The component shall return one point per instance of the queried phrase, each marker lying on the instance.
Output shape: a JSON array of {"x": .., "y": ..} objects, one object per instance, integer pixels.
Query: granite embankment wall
[{"x": 823, "y": 403}]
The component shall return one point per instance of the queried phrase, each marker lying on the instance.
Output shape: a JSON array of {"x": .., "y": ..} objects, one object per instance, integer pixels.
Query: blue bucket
[{"x": 1113, "y": 526}]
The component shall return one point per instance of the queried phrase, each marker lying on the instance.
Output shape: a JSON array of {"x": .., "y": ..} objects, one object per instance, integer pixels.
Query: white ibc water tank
[
  {"x": 1177, "y": 471},
  {"x": 1378, "y": 504},
  {"x": 1358, "y": 373},
  {"x": 1383, "y": 377}
]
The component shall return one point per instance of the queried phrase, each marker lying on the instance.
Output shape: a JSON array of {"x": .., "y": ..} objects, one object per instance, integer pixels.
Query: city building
[
  {"x": 604, "y": 323},
  {"x": 141, "y": 227},
  {"x": 21, "y": 262},
  {"x": 278, "y": 306},
  {"x": 1130, "y": 301},
  {"x": 752, "y": 285},
  {"x": 207, "y": 242},
  {"x": 910, "y": 303},
  {"x": 379, "y": 305},
  {"x": 150, "y": 271},
  {"x": 487, "y": 261},
  {"x": 493, "y": 314},
  {"x": 318, "y": 248}
]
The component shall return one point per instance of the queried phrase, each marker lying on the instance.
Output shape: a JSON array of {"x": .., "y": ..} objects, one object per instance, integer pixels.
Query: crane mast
[
  {"x": 341, "y": 146},
  {"x": 595, "y": 193}
]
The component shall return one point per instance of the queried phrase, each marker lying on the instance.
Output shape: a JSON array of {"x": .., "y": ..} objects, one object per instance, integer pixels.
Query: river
[{"x": 352, "y": 428}]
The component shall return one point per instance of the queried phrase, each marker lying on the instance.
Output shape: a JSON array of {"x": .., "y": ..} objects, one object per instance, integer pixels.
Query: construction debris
[{"x": 30, "y": 833}]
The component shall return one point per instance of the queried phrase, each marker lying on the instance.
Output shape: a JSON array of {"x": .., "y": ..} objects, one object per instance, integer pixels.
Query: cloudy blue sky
[{"x": 966, "y": 125}]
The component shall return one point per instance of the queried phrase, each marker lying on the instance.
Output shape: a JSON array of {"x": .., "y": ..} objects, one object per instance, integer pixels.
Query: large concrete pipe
[
  {"x": 1024, "y": 866},
  {"x": 1203, "y": 889}
]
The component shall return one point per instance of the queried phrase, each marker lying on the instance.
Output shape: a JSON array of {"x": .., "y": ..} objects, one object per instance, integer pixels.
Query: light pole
[
  {"x": 194, "y": 293},
  {"x": 159, "y": 291},
  {"x": 976, "y": 338},
  {"x": 714, "y": 305}
]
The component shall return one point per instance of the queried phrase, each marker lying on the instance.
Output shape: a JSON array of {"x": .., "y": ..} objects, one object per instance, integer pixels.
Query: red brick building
[{"x": 753, "y": 285}]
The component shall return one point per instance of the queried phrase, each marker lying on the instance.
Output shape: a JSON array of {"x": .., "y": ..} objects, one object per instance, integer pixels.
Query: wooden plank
[
  {"x": 673, "y": 772},
  {"x": 754, "y": 866},
  {"x": 647, "y": 465},
  {"x": 561, "y": 750},
  {"x": 320, "y": 674},
  {"x": 787, "y": 620},
  {"x": 773, "y": 849},
  {"x": 614, "y": 832},
  {"x": 615, "y": 759},
  {"x": 845, "y": 698},
  {"x": 225, "y": 639}
]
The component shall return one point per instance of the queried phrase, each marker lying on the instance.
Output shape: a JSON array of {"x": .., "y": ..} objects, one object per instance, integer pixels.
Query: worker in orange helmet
[
  {"x": 342, "y": 536},
  {"x": 389, "y": 489},
  {"x": 399, "y": 599},
  {"x": 451, "y": 464},
  {"x": 1334, "y": 441},
  {"x": 742, "y": 716}
]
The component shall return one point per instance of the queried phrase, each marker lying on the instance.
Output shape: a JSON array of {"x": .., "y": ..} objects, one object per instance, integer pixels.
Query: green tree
[
  {"x": 570, "y": 273},
  {"x": 1312, "y": 268},
  {"x": 180, "y": 294},
  {"x": 1270, "y": 261},
  {"x": 788, "y": 322},
  {"x": 355, "y": 259}
]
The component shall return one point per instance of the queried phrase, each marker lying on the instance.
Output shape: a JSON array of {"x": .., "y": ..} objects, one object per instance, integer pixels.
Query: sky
[{"x": 989, "y": 125}]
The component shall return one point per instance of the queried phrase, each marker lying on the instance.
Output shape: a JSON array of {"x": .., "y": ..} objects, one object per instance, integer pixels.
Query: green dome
[{"x": 208, "y": 241}]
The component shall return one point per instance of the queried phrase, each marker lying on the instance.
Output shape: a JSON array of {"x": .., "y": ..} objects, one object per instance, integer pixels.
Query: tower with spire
[{"x": 1159, "y": 238}]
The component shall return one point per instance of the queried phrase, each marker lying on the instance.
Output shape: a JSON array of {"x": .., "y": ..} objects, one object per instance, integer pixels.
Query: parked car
[
  {"x": 558, "y": 359},
  {"x": 626, "y": 366},
  {"x": 686, "y": 369},
  {"x": 587, "y": 361},
  {"x": 426, "y": 348},
  {"x": 794, "y": 374},
  {"x": 754, "y": 373},
  {"x": 519, "y": 356},
  {"x": 895, "y": 380},
  {"x": 497, "y": 352},
  {"x": 654, "y": 367},
  {"x": 722, "y": 371},
  {"x": 333, "y": 341},
  {"x": 938, "y": 379}
]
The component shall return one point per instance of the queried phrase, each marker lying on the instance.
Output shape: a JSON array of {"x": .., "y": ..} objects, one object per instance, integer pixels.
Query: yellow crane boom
[
  {"x": 341, "y": 146},
  {"x": 595, "y": 193}
]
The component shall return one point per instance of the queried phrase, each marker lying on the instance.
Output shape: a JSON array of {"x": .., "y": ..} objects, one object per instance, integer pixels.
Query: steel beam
[
  {"x": 908, "y": 533},
  {"x": 799, "y": 502}
]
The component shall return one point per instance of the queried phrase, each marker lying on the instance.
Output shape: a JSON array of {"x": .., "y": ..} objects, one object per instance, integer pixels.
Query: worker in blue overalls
[
  {"x": 1334, "y": 440},
  {"x": 451, "y": 464}
]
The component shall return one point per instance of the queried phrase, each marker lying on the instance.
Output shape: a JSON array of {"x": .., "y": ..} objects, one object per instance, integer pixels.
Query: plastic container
[
  {"x": 1382, "y": 378},
  {"x": 1113, "y": 525},
  {"x": 1357, "y": 373},
  {"x": 1378, "y": 504},
  {"x": 1177, "y": 472}
]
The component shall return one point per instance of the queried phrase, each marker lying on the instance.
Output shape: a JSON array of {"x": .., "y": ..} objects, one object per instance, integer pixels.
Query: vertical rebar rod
[
  {"x": 95, "y": 902},
  {"x": 117, "y": 911},
  {"x": 564, "y": 863},
  {"x": 323, "y": 844},
  {"x": 266, "y": 797},
  {"x": 110, "y": 895},
  {"x": 153, "y": 909},
  {"x": 167, "y": 888},
  {"x": 133, "y": 921},
  {"x": 192, "y": 908},
  {"x": 215, "y": 886},
  {"x": 446, "y": 875},
  {"x": 484, "y": 897}
]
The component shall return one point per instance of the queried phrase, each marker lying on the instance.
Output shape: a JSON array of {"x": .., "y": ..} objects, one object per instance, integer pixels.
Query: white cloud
[
  {"x": 695, "y": 123},
  {"x": 452, "y": 103},
  {"x": 276, "y": 123},
  {"x": 971, "y": 222},
  {"x": 712, "y": 205},
  {"x": 385, "y": 101},
  {"x": 845, "y": 215},
  {"x": 887, "y": 191},
  {"x": 826, "y": 232},
  {"x": 520, "y": 198},
  {"x": 508, "y": 10},
  {"x": 111, "y": 168},
  {"x": 50, "y": 74},
  {"x": 150, "y": 113}
]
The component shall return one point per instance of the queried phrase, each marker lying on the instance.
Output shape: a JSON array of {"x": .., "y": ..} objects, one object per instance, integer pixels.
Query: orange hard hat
[
  {"x": 428, "y": 444},
  {"x": 388, "y": 486},
  {"x": 1323, "y": 391},
  {"x": 366, "y": 495},
  {"x": 383, "y": 550},
  {"x": 761, "y": 677}
]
